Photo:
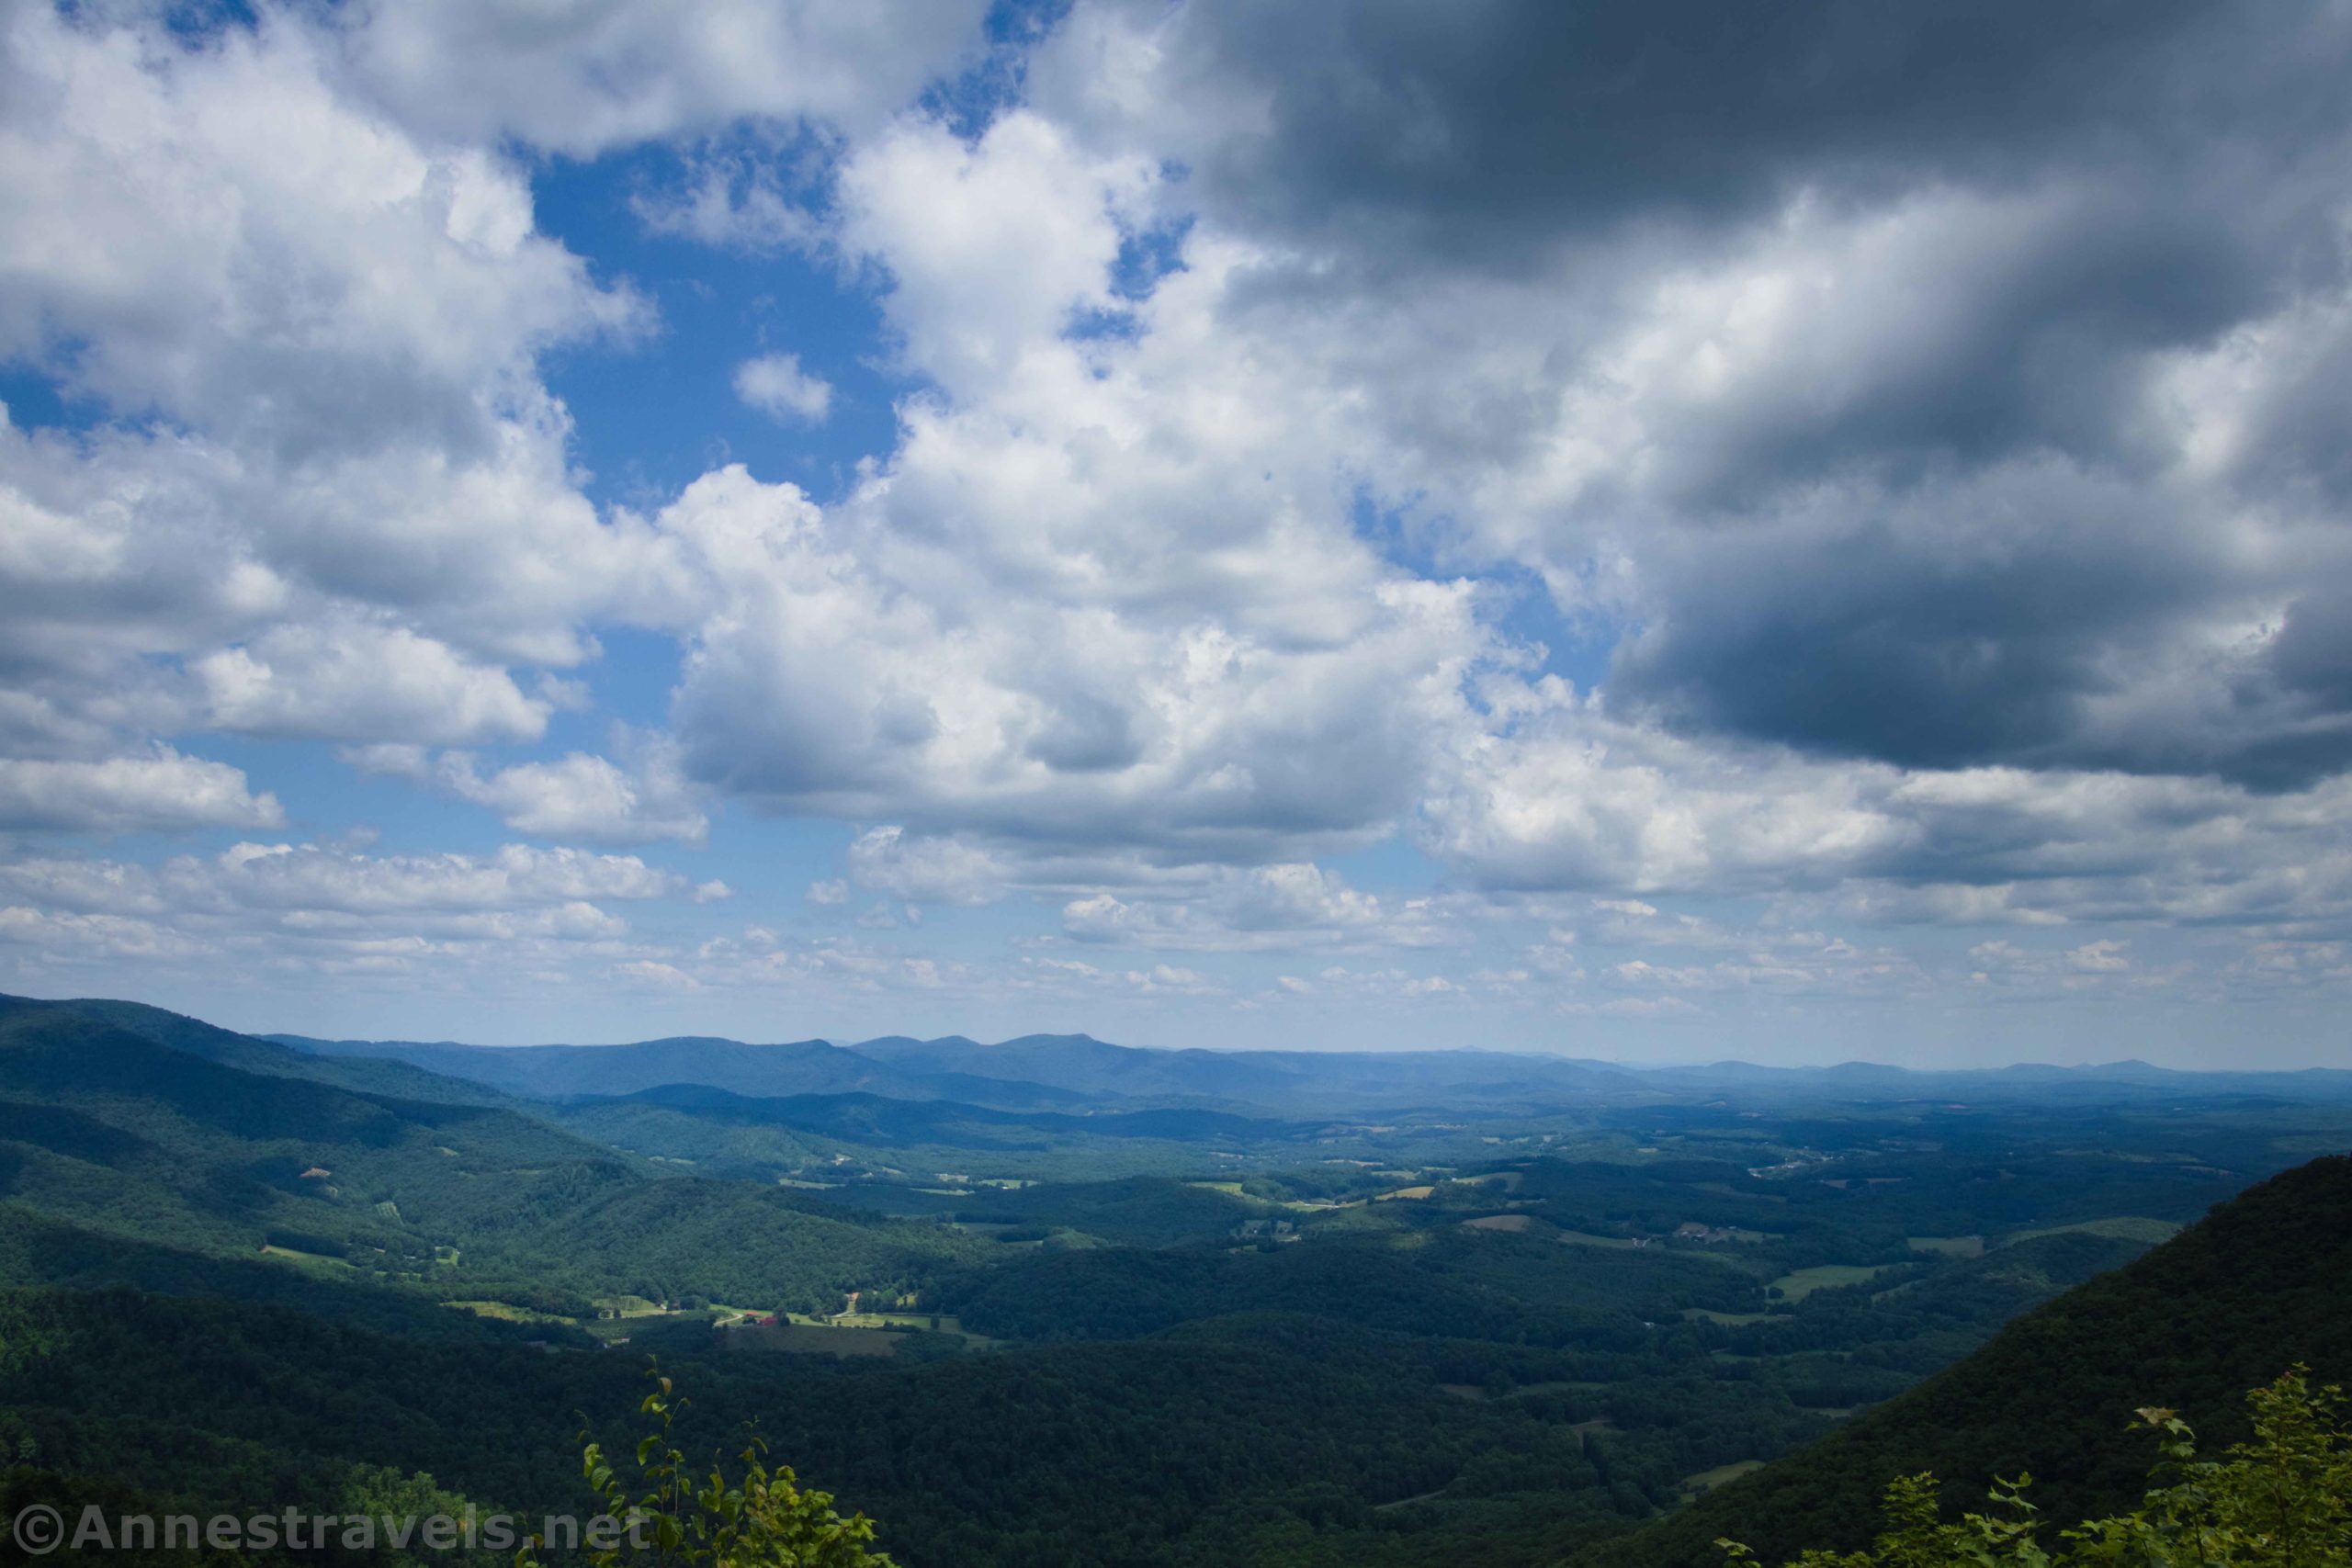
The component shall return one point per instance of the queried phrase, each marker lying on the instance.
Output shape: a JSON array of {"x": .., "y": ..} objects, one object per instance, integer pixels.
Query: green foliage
[
  {"x": 2281, "y": 1499},
  {"x": 1384, "y": 1387},
  {"x": 382, "y": 1492},
  {"x": 763, "y": 1520},
  {"x": 2190, "y": 1325},
  {"x": 106, "y": 1130}
]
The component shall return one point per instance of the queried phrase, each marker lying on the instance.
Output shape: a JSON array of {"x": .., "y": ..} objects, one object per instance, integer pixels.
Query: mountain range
[
  {"x": 1038, "y": 1071},
  {"x": 1057, "y": 1301}
]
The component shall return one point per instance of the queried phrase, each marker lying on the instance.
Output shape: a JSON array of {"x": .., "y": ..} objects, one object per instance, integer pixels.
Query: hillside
[
  {"x": 106, "y": 1130},
  {"x": 803, "y": 1067},
  {"x": 249, "y": 1054},
  {"x": 1078, "y": 1072},
  {"x": 2227, "y": 1304},
  {"x": 1454, "y": 1330}
]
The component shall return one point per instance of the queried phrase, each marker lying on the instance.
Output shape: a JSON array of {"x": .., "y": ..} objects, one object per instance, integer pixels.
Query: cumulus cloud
[
  {"x": 154, "y": 791},
  {"x": 580, "y": 797},
  {"x": 1916, "y": 429},
  {"x": 925, "y": 869},
  {"x": 1924, "y": 450},
  {"x": 190, "y": 226},
  {"x": 1262, "y": 909},
  {"x": 331, "y": 497},
  {"x": 776, "y": 386},
  {"x": 822, "y": 682},
  {"x": 582, "y": 80},
  {"x": 325, "y": 911},
  {"x": 386, "y": 685}
]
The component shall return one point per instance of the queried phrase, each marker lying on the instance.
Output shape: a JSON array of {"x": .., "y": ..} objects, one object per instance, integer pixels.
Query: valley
[{"x": 1021, "y": 1300}]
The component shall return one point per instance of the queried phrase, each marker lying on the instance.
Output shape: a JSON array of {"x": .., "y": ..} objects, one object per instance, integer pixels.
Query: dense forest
[
  {"x": 2257, "y": 1287},
  {"x": 236, "y": 1271}
]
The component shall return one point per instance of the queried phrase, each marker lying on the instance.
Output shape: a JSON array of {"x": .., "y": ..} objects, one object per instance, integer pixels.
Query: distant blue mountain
[{"x": 1074, "y": 1072}]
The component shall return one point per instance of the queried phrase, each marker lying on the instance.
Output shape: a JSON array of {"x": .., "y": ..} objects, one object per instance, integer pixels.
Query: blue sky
[{"x": 1497, "y": 524}]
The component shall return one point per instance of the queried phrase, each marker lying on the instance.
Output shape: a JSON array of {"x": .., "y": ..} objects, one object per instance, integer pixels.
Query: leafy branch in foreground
[
  {"x": 765, "y": 1520},
  {"x": 2281, "y": 1500}
]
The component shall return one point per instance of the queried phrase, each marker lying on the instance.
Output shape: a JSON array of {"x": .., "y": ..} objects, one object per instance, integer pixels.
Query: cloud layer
[{"x": 1390, "y": 487}]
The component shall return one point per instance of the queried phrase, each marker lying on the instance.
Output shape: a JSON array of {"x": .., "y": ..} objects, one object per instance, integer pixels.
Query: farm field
[
  {"x": 309, "y": 1260},
  {"x": 2127, "y": 1227},
  {"x": 1796, "y": 1286},
  {"x": 1708, "y": 1480},
  {"x": 807, "y": 1338}
]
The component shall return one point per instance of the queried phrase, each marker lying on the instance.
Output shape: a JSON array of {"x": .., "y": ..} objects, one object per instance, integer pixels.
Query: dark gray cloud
[
  {"x": 2050, "y": 472},
  {"x": 1476, "y": 126}
]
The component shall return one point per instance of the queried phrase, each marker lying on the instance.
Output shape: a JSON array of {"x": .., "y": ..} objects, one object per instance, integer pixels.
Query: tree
[
  {"x": 763, "y": 1520},
  {"x": 2281, "y": 1500}
]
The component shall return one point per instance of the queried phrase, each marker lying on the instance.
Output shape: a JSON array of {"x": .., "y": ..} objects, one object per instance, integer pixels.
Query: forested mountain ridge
[
  {"x": 2259, "y": 1285},
  {"x": 103, "y": 1129},
  {"x": 252, "y": 1054},
  {"x": 1072, "y": 1071},
  {"x": 1455, "y": 1329},
  {"x": 812, "y": 1066}
]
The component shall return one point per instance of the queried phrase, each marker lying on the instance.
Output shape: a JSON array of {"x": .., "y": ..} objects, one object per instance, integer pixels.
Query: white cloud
[
  {"x": 926, "y": 869},
  {"x": 213, "y": 233},
  {"x": 159, "y": 790},
  {"x": 582, "y": 79},
  {"x": 1263, "y": 908},
  {"x": 77, "y": 937},
  {"x": 776, "y": 386},
  {"x": 332, "y": 490},
  {"x": 734, "y": 202},
  {"x": 378, "y": 685},
  {"x": 308, "y": 907},
  {"x": 583, "y": 797},
  {"x": 1192, "y": 562}
]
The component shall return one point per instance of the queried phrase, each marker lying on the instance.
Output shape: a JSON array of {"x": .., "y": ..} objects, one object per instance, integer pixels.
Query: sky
[{"x": 1660, "y": 532}]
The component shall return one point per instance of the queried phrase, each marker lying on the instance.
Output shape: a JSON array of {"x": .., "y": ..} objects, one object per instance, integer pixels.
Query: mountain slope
[
  {"x": 881, "y": 1121},
  {"x": 103, "y": 1130},
  {"x": 550, "y": 1072},
  {"x": 795, "y": 1068},
  {"x": 2257, "y": 1285},
  {"x": 250, "y": 1054}
]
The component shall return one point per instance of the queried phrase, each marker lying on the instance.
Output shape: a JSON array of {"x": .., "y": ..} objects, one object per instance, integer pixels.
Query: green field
[
  {"x": 1708, "y": 1480},
  {"x": 1823, "y": 1277},
  {"x": 1585, "y": 1238},
  {"x": 931, "y": 1322},
  {"x": 811, "y": 1337},
  {"x": 2123, "y": 1227},
  {"x": 505, "y": 1313},
  {"x": 316, "y": 1261}
]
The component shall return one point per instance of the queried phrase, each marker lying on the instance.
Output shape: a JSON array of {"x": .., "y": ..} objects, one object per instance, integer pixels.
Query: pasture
[
  {"x": 2123, "y": 1227},
  {"x": 1708, "y": 1480},
  {"x": 810, "y": 1338},
  {"x": 1823, "y": 1277}
]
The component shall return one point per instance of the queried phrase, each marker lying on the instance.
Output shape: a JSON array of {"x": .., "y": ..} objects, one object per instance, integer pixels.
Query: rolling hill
[
  {"x": 2229, "y": 1304},
  {"x": 1075, "y": 1072},
  {"x": 105, "y": 1130}
]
